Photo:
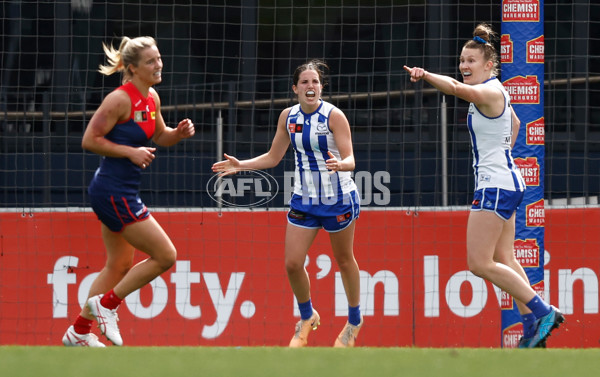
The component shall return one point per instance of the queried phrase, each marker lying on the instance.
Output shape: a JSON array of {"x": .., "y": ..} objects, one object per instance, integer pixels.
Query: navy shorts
[
  {"x": 332, "y": 217},
  {"x": 117, "y": 211},
  {"x": 502, "y": 202}
]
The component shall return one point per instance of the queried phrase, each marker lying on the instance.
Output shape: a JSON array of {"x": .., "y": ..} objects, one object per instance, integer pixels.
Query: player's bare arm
[{"x": 339, "y": 125}]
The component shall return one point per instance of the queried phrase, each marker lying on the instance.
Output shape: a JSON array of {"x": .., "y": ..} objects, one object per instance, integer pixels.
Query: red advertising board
[{"x": 229, "y": 287}]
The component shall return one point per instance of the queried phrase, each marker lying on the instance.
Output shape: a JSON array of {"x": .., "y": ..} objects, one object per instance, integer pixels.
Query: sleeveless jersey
[
  {"x": 311, "y": 139},
  {"x": 120, "y": 174},
  {"x": 491, "y": 138}
]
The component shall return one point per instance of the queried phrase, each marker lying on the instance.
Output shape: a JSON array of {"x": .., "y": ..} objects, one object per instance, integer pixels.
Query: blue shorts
[
  {"x": 118, "y": 211},
  {"x": 502, "y": 202},
  {"x": 332, "y": 217}
]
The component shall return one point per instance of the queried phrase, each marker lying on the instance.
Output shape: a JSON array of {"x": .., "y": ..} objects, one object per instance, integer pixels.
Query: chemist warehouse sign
[{"x": 522, "y": 57}]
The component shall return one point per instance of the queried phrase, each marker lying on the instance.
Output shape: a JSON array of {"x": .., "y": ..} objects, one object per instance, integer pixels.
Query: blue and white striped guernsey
[
  {"x": 311, "y": 138},
  {"x": 491, "y": 138}
]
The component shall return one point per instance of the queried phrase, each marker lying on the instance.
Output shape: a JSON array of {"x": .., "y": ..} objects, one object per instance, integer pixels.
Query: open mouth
[
  {"x": 310, "y": 93},
  {"x": 466, "y": 74}
]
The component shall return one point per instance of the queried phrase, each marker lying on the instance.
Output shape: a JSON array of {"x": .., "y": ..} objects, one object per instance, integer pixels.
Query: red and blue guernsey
[{"x": 120, "y": 175}]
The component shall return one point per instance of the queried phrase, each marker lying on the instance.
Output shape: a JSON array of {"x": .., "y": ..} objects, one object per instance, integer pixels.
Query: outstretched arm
[
  {"x": 444, "y": 84},
  {"x": 268, "y": 160},
  {"x": 487, "y": 98}
]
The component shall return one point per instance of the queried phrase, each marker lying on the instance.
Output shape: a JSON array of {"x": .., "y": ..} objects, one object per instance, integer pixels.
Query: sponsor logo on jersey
[
  {"x": 297, "y": 215},
  {"x": 140, "y": 116},
  {"x": 485, "y": 178},
  {"x": 345, "y": 217},
  {"x": 294, "y": 127},
  {"x": 322, "y": 129},
  {"x": 141, "y": 212}
]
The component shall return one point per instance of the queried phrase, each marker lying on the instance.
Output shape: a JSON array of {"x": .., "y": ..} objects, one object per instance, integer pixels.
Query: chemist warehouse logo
[
  {"x": 247, "y": 188},
  {"x": 523, "y": 90},
  {"x": 536, "y": 132},
  {"x": 535, "y": 50},
  {"x": 520, "y": 10},
  {"x": 535, "y": 215},
  {"x": 530, "y": 170},
  {"x": 506, "y": 49}
]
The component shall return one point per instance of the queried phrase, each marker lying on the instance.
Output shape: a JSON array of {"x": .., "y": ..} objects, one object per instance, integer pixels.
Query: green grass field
[{"x": 308, "y": 362}]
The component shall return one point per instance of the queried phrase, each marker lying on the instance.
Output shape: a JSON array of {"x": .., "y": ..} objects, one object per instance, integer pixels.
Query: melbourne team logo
[{"x": 247, "y": 188}]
